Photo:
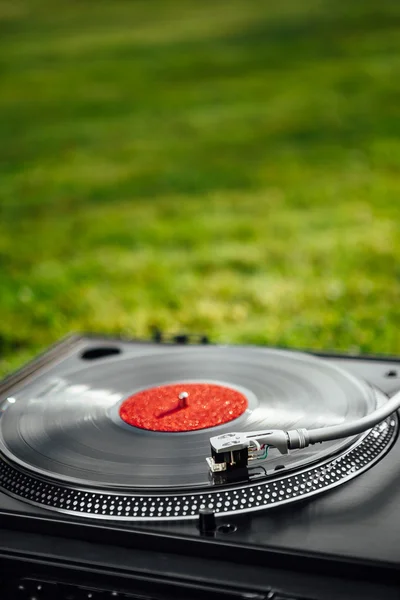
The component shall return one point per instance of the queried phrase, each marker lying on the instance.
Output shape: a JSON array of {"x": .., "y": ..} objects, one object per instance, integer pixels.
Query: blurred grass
[{"x": 226, "y": 168}]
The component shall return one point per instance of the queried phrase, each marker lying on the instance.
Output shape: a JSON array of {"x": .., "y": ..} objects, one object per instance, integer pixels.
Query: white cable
[
  {"x": 301, "y": 438},
  {"x": 324, "y": 434}
]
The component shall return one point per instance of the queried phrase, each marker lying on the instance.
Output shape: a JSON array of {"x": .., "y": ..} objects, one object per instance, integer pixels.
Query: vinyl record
[{"x": 71, "y": 429}]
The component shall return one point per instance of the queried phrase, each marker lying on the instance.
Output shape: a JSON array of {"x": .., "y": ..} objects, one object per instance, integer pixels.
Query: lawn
[{"x": 228, "y": 168}]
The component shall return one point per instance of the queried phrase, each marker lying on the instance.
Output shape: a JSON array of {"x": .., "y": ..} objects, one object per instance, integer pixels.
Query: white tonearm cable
[{"x": 235, "y": 449}]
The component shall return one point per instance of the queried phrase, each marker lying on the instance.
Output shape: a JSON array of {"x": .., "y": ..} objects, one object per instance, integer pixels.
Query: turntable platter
[{"x": 70, "y": 428}]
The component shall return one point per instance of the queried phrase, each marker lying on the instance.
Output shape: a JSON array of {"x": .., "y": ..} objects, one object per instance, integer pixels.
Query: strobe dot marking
[{"x": 162, "y": 506}]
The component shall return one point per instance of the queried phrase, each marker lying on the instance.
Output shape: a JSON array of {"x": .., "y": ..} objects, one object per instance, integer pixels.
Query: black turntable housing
[{"x": 344, "y": 543}]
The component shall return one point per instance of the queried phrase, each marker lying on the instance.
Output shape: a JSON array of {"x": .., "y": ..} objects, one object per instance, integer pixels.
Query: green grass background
[{"x": 228, "y": 168}]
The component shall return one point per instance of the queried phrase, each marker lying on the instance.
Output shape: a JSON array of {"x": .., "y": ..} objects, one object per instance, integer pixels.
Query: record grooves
[
  {"x": 272, "y": 492},
  {"x": 67, "y": 442}
]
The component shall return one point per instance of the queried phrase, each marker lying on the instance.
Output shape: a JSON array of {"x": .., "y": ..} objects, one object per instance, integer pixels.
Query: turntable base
[{"x": 338, "y": 538}]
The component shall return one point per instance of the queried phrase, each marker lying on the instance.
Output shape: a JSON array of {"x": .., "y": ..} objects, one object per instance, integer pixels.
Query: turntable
[{"x": 158, "y": 470}]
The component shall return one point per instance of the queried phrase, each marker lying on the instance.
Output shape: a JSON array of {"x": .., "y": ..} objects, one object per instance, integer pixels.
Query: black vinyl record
[{"x": 69, "y": 429}]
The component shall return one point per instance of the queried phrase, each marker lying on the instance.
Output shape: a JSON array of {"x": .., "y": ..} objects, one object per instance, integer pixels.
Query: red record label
[{"x": 183, "y": 407}]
